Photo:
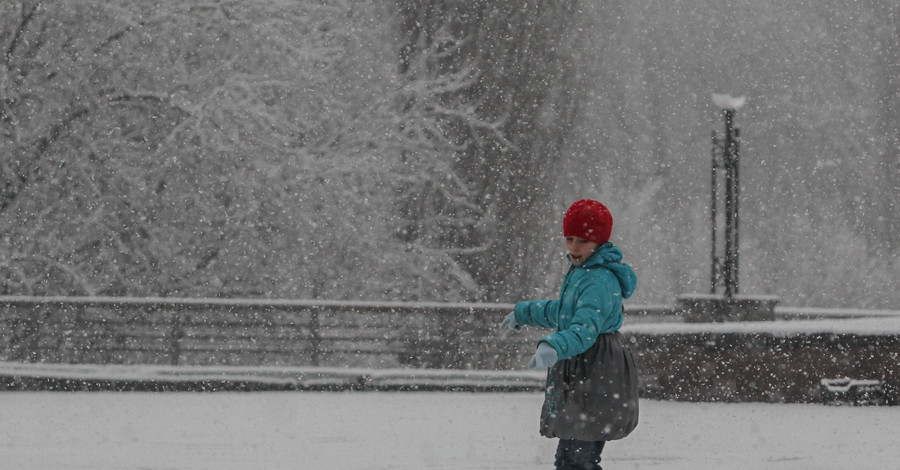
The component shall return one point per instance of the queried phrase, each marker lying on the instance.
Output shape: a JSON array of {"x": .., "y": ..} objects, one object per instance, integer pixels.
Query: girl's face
[{"x": 580, "y": 249}]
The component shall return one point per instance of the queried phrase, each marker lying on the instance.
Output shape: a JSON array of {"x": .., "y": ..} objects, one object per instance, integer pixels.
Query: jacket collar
[{"x": 610, "y": 257}]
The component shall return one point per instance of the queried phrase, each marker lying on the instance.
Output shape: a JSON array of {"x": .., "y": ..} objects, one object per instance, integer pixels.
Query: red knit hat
[{"x": 588, "y": 219}]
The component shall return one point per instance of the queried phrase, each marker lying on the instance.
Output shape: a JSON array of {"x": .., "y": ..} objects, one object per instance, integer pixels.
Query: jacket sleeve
[
  {"x": 537, "y": 313},
  {"x": 595, "y": 313}
]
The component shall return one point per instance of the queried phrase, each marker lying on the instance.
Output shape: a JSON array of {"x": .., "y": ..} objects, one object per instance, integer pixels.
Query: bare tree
[
  {"x": 228, "y": 148},
  {"x": 498, "y": 94}
]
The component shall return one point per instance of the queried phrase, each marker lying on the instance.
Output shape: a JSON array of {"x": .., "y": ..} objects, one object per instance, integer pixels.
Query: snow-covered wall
[{"x": 780, "y": 361}]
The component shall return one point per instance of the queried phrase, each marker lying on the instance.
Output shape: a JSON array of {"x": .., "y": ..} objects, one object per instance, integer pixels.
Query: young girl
[{"x": 592, "y": 384}]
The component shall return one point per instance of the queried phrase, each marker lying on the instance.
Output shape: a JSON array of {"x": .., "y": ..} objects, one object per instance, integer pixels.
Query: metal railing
[{"x": 111, "y": 330}]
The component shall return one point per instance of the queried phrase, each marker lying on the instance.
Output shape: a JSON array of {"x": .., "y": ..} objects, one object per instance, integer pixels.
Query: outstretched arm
[{"x": 542, "y": 313}]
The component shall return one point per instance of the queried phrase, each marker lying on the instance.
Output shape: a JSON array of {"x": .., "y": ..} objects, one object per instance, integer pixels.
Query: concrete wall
[{"x": 760, "y": 367}]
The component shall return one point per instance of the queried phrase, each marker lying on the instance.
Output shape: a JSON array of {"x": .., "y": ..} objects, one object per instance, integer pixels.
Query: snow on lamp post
[{"x": 726, "y": 154}]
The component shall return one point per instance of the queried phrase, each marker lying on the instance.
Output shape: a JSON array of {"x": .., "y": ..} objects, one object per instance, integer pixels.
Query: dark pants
[{"x": 572, "y": 454}]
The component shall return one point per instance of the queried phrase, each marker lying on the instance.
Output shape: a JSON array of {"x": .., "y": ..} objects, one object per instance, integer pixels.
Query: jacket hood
[{"x": 610, "y": 257}]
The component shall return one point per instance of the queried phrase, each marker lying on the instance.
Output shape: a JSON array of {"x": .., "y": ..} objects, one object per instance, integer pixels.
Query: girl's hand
[
  {"x": 544, "y": 357},
  {"x": 510, "y": 322}
]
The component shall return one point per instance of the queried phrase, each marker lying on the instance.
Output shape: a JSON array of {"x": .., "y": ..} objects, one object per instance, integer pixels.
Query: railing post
[
  {"x": 315, "y": 336},
  {"x": 176, "y": 333}
]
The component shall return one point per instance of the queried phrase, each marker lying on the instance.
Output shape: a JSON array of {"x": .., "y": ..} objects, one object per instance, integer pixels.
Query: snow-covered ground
[{"x": 407, "y": 430}]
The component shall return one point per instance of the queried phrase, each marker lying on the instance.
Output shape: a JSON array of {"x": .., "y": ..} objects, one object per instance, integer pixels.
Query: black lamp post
[
  {"x": 724, "y": 303},
  {"x": 726, "y": 155}
]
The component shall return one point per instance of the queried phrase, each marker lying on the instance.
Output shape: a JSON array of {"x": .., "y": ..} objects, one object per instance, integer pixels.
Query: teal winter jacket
[{"x": 589, "y": 304}]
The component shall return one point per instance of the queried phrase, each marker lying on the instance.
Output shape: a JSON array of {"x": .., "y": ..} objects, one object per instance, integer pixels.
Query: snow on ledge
[
  {"x": 883, "y": 326},
  {"x": 300, "y": 377}
]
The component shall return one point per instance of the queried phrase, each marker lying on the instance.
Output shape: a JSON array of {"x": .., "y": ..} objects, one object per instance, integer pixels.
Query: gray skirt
[{"x": 594, "y": 395}]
